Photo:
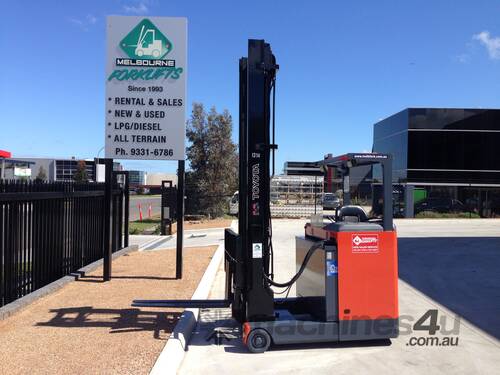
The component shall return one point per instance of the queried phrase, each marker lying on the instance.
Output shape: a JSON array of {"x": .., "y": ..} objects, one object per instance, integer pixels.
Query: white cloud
[
  {"x": 84, "y": 23},
  {"x": 492, "y": 44},
  {"x": 139, "y": 8},
  {"x": 91, "y": 19},
  {"x": 75, "y": 21},
  {"x": 462, "y": 58}
]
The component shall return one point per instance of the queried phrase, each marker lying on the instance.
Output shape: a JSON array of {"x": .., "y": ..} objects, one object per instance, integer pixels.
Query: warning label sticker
[
  {"x": 365, "y": 243},
  {"x": 257, "y": 250},
  {"x": 331, "y": 268}
]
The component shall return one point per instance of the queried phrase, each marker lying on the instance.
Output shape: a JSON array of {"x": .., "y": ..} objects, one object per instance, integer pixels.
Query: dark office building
[
  {"x": 444, "y": 159},
  {"x": 301, "y": 168},
  {"x": 136, "y": 178},
  {"x": 67, "y": 168}
]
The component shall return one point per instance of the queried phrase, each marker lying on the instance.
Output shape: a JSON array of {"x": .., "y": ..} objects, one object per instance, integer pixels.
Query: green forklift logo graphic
[{"x": 146, "y": 41}]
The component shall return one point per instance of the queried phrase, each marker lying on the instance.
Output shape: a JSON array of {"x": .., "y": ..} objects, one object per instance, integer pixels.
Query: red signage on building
[{"x": 5, "y": 154}]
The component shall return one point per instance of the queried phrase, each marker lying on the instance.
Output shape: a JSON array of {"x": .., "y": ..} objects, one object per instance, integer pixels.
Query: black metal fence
[{"x": 51, "y": 229}]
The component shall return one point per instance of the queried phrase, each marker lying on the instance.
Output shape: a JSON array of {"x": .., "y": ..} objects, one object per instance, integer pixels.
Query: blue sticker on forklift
[{"x": 331, "y": 268}]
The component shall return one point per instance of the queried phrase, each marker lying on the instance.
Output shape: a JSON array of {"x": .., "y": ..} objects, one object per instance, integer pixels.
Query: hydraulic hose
[{"x": 289, "y": 283}]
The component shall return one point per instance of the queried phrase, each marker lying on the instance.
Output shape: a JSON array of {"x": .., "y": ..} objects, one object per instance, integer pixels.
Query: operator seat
[{"x": 352, "y": 214}]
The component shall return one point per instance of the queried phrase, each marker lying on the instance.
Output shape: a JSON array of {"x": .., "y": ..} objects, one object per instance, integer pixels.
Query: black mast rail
[{"x": 254, "y": 221}]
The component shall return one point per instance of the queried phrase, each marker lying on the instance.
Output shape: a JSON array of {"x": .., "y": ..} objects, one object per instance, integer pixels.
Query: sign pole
[{"x": 180, "y": 219}]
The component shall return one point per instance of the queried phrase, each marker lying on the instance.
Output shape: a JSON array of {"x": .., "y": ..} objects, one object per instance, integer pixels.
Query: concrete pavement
[
  {"x": 198, "y": 237},
  {"x": 448, "y": 265},
  {"x": 142, "y": 240},
  {"x": 455, "y": 262}
]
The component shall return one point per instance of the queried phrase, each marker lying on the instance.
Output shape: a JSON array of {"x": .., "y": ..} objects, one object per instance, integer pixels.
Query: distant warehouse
[
  {"x": 58, "y": 169},
  {"x": 445, "y": 159}
]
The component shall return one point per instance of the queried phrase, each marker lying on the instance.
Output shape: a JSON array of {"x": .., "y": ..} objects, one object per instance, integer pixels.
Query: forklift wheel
[{"x": 258, "y": 341}]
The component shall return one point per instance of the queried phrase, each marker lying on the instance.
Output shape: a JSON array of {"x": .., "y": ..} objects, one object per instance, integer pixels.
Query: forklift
[{"x": 346, "y": 264}]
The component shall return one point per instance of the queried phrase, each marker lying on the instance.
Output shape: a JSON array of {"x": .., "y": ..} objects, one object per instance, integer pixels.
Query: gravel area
[{"x": 89, "y": 327}]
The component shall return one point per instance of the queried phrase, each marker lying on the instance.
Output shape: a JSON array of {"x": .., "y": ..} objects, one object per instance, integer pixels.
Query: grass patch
[
  {"x": 153, "y": 220},
  {"x": 138, "y": 227},
  {"x": 450, "y": 215},
  {"x": 142, "y": 196}
]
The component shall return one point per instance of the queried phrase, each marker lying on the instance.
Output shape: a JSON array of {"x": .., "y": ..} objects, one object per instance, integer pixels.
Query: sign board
[
  {"x": 166, "y": 213},
  {"x": 146, "y": 72},
  {"x": 347, "y": 186},
  {"x": 100, "y": 173},
  {"x": 5, "y": 154},
  {"x": 22, "y": 172}
]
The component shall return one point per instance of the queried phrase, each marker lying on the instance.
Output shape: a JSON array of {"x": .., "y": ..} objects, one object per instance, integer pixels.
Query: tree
[
  {"x": 81, "y": 172},
  {"x": 213, "y": 175},
  {"x": 42, "y": 174}
]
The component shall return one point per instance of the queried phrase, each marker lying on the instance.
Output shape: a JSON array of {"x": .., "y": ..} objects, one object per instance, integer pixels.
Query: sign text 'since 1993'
[{"x": 146, "y": 73}]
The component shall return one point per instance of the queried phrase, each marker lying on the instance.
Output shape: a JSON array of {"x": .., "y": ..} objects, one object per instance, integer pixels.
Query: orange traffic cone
[
  {"x": 149, "y": 211},
  {"x": 140, "y": 212}
]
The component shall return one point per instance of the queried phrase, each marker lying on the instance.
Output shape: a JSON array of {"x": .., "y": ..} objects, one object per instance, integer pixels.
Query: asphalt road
[
  {"x": 448, "y": 265},
  {"x": 144, "y": 201}
]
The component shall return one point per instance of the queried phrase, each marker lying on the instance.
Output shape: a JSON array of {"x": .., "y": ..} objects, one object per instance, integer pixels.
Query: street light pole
[
  {"x": 99, "y": 152},
  {"x": 96, "y": 162}
]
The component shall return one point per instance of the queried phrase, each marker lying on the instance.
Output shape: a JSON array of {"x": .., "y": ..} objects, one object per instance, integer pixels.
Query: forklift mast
[
  {"x": 252, "y": 297},
  {"x": 247, "y": 253}
]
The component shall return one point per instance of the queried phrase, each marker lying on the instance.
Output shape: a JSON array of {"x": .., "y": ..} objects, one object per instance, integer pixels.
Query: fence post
[
  {"x": 127, "y": 203},
  {"x": 107, "y": 219},
  {"x": 166, "y": 188},
  {"x": 114, "y": 216},
  {"x": 162, "y": 209},
  {"x": 180, "y": 219}
]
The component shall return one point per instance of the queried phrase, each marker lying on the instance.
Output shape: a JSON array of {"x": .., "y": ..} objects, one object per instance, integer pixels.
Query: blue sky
[{"x": 343, "y": 66}]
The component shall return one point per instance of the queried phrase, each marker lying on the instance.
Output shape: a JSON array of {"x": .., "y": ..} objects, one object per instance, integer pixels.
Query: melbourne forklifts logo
[{"x": 146, "y": 46}]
